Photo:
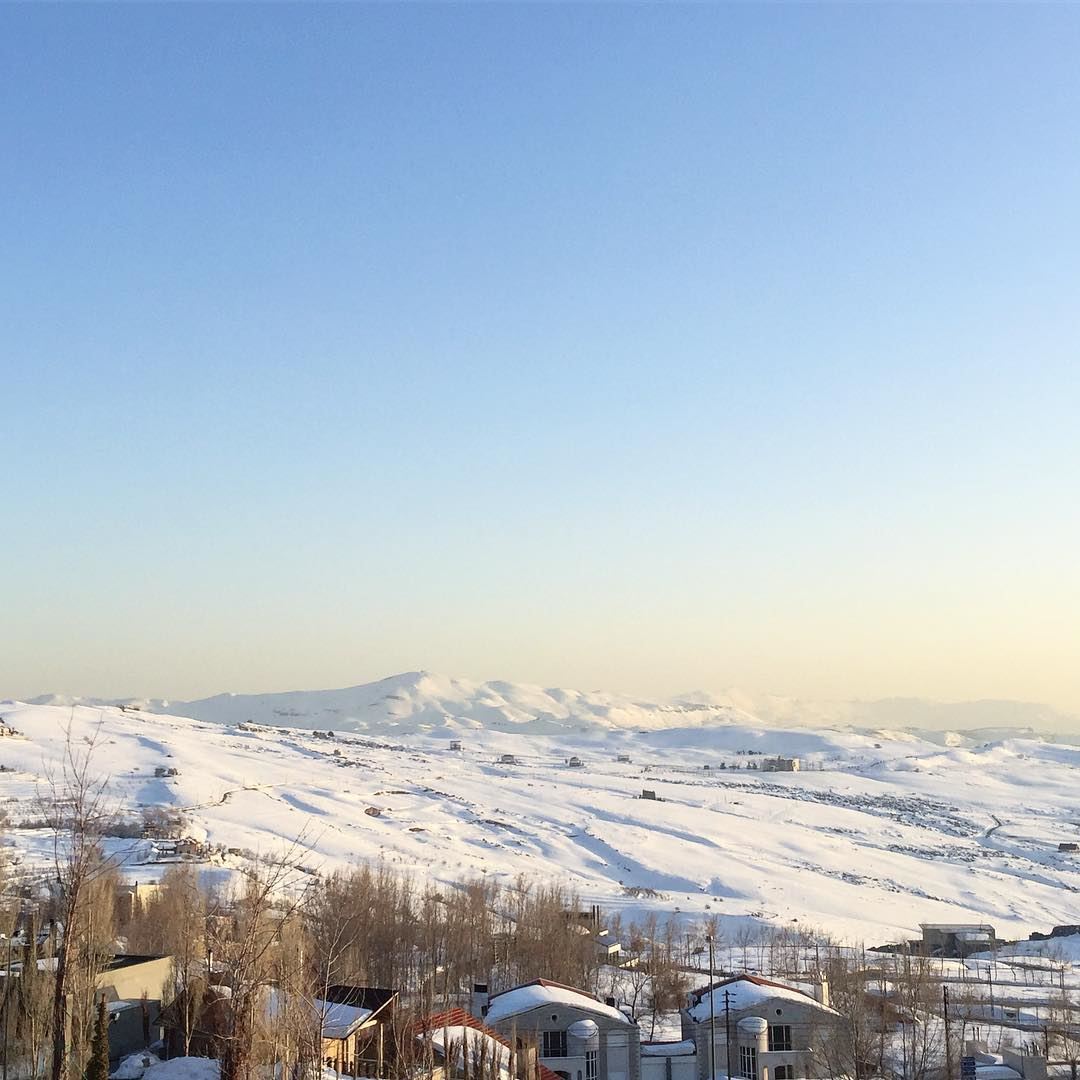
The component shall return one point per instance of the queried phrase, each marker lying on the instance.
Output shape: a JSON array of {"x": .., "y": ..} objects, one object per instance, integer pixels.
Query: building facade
[
  {"x": 577, "y": 1036},
  {"x": 758, "y": 1029}
]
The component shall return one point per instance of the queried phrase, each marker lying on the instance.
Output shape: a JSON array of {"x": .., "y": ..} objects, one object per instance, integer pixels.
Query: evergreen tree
[{"x": 98, "y": 1066}]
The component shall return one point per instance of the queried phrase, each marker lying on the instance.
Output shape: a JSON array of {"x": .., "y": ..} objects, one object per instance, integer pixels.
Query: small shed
[
  {"x": 648, "y": 793},
  {"x": 508, "y": 759},
  {"x": 455, "y": 744},
  {"x": 576, "y": 763},
  {"x": 623, "y": 759},
  {"x": 1068, "y": 847}
]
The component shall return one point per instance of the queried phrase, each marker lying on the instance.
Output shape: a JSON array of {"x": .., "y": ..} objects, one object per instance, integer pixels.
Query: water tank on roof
[
  {"x": 583, "y": 1029},
  {"x": 753, "y": 1025}
]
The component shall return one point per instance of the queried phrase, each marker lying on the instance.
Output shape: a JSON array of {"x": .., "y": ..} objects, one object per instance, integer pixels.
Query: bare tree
[
  {"x": 34, "y": 1005},
  {"x": 245, "y": 941},
  {"x": 669, "y": 983},
  {"x": 173, "y": 923},
  {"x": 851, "y": 1045},
  {"x": 76, "y": 809}
]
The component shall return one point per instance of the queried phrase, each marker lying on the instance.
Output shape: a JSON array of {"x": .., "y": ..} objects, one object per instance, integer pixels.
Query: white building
[
  {"x": 775, "y": 1029},
  {"x": 780, "y": 764},
  {"x": 578, "y": 1036}
]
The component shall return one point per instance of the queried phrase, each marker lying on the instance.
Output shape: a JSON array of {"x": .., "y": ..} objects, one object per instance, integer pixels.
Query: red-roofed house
[{"x": 464, "y": 1046}]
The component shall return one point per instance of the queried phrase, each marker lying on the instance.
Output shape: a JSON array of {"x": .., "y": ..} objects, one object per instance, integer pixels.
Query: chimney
[
  {"x": 478, "y": 1003},
  {"x": 821, "y": 989}
]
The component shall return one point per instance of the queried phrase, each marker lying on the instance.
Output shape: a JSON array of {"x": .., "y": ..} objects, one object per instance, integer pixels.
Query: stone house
[
  {"x": 774, "y": 1029},
  {"x": 578, "y": 1036},
  {"x": 954, "y": 939}
]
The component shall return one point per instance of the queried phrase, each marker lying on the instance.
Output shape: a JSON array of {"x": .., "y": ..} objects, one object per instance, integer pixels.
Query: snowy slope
[{"x": 884, "y": 830}]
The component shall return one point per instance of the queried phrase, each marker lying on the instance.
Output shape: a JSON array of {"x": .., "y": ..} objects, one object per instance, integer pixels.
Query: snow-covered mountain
[
  {"x": 419, "y": 701},
  {"x": 882, "y": 829}
]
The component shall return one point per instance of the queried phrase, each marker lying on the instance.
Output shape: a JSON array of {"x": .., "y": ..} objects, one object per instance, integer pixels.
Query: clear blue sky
[{"x": 630, "y": 346}]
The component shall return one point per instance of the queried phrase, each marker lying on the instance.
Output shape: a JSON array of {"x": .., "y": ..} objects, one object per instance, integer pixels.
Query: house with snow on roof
[
  {"x": 351, "y": 1020},
  {"x": 465, "y": 1048},
  {"x": 578, "y": 1036},
  {"x": 774, "y": 1029},
  {"x": 354, "y": 1022}
]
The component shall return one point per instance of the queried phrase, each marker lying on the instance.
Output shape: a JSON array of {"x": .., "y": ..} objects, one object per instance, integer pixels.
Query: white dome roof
[
  {"x": 753, "y": 1025},
  {"x": 582, "y": 1029}
]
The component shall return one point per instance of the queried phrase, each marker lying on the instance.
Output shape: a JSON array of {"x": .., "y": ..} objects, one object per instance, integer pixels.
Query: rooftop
[
  {"x": 541, "y": 992},
  {"x": 123, "y": 960},
  {"x": 957, "y": 928},
  {"x": 744, "y": 992}
]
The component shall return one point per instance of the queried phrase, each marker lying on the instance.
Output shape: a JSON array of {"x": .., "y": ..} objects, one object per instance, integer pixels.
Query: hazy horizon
[
  {"x": 634, "y": 347},
  {"x": 915, "y": 712}
]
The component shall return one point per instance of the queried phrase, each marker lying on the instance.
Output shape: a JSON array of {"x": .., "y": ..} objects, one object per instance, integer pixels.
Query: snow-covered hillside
[{"x": 881, "y": 830}]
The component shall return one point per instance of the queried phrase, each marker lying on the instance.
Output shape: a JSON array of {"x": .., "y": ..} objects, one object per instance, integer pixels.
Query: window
[
  {"x": 779, "y": 1036},
  {"x": 748, "y": 1062},
  {"x": 554, "y": 1044},
  {"x": 784, "y": 1072},
  {"x": 591, "y": 1064}
]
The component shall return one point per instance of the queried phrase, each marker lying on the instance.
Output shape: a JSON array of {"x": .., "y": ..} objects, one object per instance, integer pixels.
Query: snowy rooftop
[
  {"x": 338, "y": 1021},
  {"x": 122, "y": 1006},
  {"x": 478, "y": 1042},
  {"x": 744, "y": 992},
  {"x": 957, "y": 928},
  {"x": 535, "y": 994},
  {"x": 456, "y": 1023}
]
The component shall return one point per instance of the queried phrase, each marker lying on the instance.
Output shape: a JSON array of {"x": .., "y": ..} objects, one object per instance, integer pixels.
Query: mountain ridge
[{"x": 429, "y": 698}]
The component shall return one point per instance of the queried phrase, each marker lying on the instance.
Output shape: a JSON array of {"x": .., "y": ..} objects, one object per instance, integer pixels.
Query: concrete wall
[
  {"x": 1030, "y": 1068},
  {"x": 683, "y": 1067}
]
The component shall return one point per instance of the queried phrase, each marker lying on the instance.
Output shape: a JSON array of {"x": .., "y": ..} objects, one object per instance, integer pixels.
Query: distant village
[{"x": 360, "y": 976}]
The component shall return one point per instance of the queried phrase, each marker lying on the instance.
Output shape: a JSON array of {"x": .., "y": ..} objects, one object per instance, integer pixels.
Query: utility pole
[
  {"x": 948, "y": 1051},
  {"x": 712, "y": 1013},
  {"x": 7, "y": 1004},
  {"x": 727, "y": 1027}
]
